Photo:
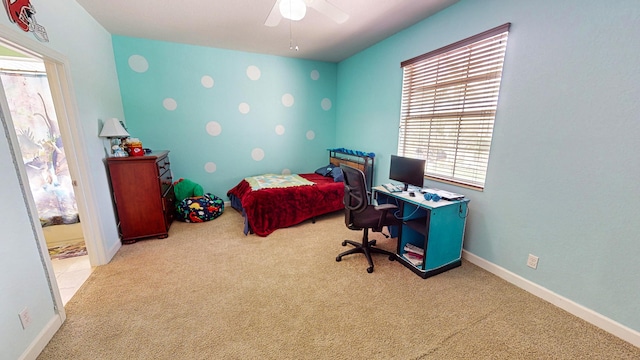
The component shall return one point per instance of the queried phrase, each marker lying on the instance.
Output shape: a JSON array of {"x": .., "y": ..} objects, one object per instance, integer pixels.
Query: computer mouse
[{"x": 412, "y": 194}]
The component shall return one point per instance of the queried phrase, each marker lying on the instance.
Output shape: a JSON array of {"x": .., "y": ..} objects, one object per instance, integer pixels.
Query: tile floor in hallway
[{"x": 71, "y": 273}]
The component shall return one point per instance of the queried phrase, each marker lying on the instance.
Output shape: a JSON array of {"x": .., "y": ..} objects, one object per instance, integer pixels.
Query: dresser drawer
[
  {"x": 169, "y": 206},
  {"x": 164, "y": 171},
  {"x": 163, "y": 164},
  {"x": 165, "y": 181}
]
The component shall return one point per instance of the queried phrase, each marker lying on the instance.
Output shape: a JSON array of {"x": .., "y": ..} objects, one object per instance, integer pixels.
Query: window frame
[{"x": 460, "y": 107}]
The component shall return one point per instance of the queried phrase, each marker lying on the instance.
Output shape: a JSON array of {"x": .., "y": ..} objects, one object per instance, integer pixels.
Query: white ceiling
[{"x": 239, "y": 24}]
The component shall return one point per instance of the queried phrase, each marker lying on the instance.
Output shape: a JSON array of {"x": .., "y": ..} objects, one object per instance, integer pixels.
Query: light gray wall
[
  {"x": 87, "y": 46},
  {"x": 563, "y": 173}
]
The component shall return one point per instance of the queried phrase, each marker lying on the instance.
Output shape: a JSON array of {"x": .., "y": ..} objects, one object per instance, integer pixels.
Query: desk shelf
[{"x": 419, "y": 225}]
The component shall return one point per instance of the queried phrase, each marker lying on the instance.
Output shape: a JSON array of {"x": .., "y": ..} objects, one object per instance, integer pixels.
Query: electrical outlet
[
  {"x": 532, "y": 261},
  {"x": 25, "y": 318}
]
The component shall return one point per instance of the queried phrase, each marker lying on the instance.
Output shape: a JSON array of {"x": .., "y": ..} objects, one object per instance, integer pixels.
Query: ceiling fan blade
[
  {"x": 274, "y": 16},
  {"x": 328, "y": 9}
]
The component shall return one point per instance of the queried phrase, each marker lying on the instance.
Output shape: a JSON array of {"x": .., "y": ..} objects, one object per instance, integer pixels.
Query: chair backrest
[{"x": 355, "y": 193}]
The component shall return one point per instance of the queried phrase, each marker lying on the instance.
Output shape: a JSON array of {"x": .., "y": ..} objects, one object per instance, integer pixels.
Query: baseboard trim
[
  {"x": 111, "y": 252},
  {"x": 43, "y": 338},
  {"x": 599, "y": 320}
]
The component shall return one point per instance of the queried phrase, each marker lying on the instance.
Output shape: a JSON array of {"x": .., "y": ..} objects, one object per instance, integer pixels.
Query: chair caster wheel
[
  {"x": 370, "y": 269},
  {"x": 338, "y": 258},
  {"x": 344, "y": 243}
]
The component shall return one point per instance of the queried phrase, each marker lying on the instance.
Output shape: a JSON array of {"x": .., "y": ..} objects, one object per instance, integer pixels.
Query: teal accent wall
[
  {"x": 226, "y": 115},
  {"x": 563, "y": 173}
]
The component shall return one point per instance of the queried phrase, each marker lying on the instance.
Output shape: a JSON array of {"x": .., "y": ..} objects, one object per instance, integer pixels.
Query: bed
[{"x": 273, "y": 201}]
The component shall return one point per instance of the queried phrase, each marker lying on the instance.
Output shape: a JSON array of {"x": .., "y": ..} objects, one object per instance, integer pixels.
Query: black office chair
[{"x": 361, "y": 215}]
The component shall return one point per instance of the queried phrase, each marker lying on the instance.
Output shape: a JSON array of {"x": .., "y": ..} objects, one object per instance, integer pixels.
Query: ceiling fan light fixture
[{"x": 293, "y": 9}]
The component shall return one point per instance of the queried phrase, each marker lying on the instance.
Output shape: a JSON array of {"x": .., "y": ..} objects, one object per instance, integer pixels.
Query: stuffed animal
[{"x": 185, "y": 188}]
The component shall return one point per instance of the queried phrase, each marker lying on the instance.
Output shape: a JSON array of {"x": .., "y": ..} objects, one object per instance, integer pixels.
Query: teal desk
[{"x": 437, "y": 228}]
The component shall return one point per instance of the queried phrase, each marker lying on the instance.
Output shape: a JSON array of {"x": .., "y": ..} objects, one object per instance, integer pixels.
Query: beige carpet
[{"x": 209, "y": 292}]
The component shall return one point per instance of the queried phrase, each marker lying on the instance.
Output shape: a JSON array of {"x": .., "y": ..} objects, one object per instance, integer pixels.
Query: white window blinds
[{"x": 449, "y": 101}]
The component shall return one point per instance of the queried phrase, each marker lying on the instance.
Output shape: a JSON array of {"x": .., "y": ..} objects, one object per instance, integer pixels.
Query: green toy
[{"x": 185, "y": 188}]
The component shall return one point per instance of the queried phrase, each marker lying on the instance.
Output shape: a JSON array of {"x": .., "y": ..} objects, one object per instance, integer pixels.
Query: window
[{"x": 449, "y": 101}]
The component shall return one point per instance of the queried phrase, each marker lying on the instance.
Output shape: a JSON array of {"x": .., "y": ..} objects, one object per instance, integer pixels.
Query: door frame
[{"x": 64, "y": 100}]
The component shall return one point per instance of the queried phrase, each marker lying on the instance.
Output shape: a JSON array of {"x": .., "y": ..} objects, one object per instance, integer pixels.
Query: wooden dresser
[{"x": 143, "y": 193}]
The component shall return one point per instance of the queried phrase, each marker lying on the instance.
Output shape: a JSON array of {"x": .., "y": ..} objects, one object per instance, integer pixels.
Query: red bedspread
[{"x": 267, "y": 210}]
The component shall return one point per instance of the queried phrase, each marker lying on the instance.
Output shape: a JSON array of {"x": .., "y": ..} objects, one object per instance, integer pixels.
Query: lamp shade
[
  {"x": 293, "y": 9},
  {"x": 112, "y": 128}
]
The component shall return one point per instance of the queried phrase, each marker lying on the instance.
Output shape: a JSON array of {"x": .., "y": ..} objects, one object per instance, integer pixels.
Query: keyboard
[{"x": 393, "y": 188}]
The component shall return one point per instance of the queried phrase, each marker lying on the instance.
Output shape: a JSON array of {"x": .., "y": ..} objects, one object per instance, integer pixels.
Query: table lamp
[{"x": 113, "y": 129}]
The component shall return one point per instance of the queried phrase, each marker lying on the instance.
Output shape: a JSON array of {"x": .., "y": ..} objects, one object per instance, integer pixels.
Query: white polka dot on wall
[
  {"x": 169, "y": 104},
  {"x": 207, "y": 81},
  {"x": 214, "y": 128},
  {"x": 138, "y": 63},
  {"x": 311, "y": 135},
  {"x": 287, "y": 100},
  {"x": 244, "y": 108},
  {"x": 253, "y": 72},
  {"x": 257, "y": 154},
  {"x": 326, "y": 104},
  {"x": 279, "y": 129},
  {"x": 210, "y": 167},
  {"x": 315, "y": 75},
  {"x": 286, "y": 172}
]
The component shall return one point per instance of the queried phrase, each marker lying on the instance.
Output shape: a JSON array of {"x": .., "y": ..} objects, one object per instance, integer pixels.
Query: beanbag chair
[
  {"x": 199, "y": 208},
  {"x": 193, "y": 205}
]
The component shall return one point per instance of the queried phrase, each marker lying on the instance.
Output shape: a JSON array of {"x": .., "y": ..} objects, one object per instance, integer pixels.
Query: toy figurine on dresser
[{"x": 118, "y": 151}]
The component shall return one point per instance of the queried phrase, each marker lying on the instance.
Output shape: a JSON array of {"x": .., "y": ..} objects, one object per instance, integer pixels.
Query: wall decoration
[{"x": 22, "y": 13}]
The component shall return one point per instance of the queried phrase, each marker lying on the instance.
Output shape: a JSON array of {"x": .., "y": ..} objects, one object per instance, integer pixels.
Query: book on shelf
[
  {"x": 416, "y": 260},
  {"x": 414, "y": 249}
]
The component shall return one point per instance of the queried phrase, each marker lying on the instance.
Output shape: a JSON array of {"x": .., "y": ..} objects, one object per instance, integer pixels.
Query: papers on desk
[{"x": 446, "y": 195}]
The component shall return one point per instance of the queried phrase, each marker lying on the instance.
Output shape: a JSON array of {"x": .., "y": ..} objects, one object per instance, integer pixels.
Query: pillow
[
  {"x": 325, "y": 170},
  {"x": 337, "y": 174}
]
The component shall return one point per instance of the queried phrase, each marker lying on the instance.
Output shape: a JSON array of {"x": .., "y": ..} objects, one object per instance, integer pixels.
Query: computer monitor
[{"x": 408, "y": 171}]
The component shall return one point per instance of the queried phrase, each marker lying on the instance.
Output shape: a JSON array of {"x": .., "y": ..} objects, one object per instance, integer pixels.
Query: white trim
[
  {"x": 59, "y": 314},
  {"x": 625, "y": 333},
  {"x": 63, "y": 95},
  {"x": 28, "y": 198},
  {"x": 72, "y": 137},
  {"x": 43, "y": 338}
]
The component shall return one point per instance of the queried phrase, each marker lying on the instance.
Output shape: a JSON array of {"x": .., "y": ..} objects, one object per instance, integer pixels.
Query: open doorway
[{"x": 28, "y": 95}]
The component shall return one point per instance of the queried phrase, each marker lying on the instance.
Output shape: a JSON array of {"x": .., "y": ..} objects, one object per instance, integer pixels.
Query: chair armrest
[
  {"x": 386, "y": 207},
  {"x": 383, "y": 209}
]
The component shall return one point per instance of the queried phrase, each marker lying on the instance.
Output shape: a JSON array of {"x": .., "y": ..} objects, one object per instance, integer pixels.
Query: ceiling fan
[{"x": 322, "y": 6}]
